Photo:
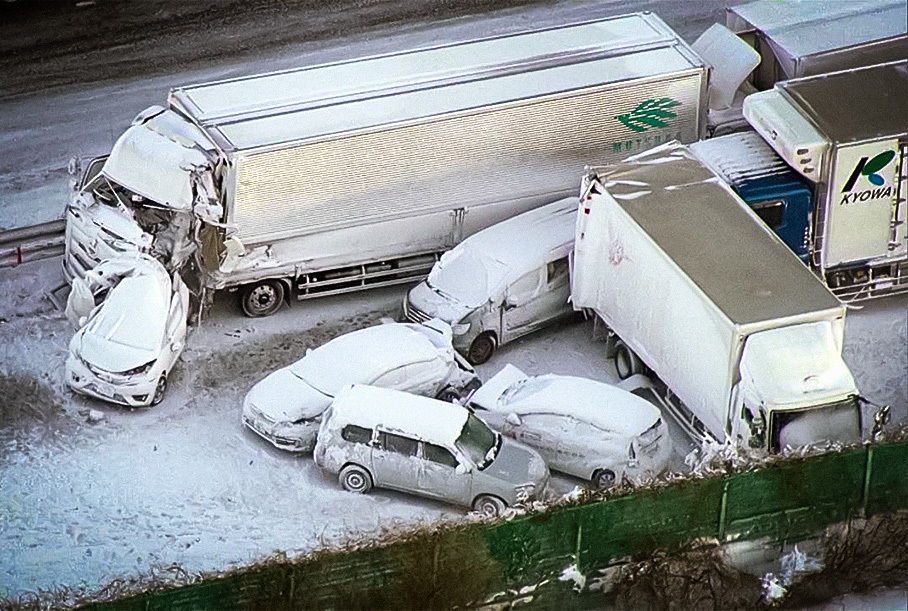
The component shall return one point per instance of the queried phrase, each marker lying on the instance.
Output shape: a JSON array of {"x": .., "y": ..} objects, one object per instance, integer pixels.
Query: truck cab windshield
[{"x": 836, "y": 423}]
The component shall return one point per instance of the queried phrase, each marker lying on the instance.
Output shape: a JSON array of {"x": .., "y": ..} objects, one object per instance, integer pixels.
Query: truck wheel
[
  {"x": 489, "y": 505},
  {"x": 354, "y": 478},
  {"x": 603, "y": 479},
  {"x": 626, "y": 362},
  {"x": 481, "y": 349},
  {"x": 262, "y": 298},
  {"x": 159, "y": 390}
]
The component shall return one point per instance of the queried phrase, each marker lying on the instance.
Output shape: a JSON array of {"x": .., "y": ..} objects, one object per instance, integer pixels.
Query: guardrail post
[
  {"x": 723, "y": 510},
  {"x": 868, "y": 471},
  {"x": 18, "y": 256}
]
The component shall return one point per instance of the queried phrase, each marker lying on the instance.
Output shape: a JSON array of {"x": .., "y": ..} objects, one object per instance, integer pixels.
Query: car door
[
  {"x": 520, "y": 308},
  {"x": 395, "y": 462},
  {"x": 539, "y": 431},
  {"x": 438, "y": 476}
]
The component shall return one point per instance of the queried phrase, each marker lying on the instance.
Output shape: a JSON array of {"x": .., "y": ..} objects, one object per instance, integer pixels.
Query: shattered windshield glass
[{"x": 478, "y": 442}]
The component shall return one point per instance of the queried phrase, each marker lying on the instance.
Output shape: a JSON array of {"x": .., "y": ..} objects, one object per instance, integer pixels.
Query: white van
[
  {"x": 502, "y": 282},
  {"x": 386, "y": 438}
]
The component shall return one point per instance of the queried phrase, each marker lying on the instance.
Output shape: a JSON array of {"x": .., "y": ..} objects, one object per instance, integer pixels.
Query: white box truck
[
  {"x": 746, "y": 340},
  {"x": 827, "y": 170},
  {"x": 332, "y": 178}
]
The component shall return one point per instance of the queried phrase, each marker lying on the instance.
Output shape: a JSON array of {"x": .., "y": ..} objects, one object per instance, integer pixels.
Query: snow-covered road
[{"x": 185, "y": 483}]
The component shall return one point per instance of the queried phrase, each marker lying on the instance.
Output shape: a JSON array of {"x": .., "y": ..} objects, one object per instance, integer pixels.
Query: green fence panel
[
  {"x": 795, "y": 498},
  {"x": 888, "y": 486},
  {"x": 640, "y": 522},
  {"x": 530, "y": 549}
]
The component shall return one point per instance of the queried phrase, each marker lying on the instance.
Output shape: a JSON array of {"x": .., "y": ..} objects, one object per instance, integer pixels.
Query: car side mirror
[
  {"x": 511, "y": 301},
  {"x": 176, "y": 346},
  {"x": 461, "y": 469},
  {"x": 513, "y": 419}
]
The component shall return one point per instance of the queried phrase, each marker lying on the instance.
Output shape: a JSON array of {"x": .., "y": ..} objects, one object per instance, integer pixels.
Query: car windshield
[
  {"x": 520, "y": 390},
  {"x": 478, "y": 442},
  {"x": 326, "y": 371},
  {"x": 466, "y": 278}
]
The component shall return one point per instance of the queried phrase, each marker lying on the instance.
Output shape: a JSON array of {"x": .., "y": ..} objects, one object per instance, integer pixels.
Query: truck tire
[
  {"x": 481, "y": 349},
  {"x": 626, "y": 362},
  {"x": 262, "y": 298},
  {"x": 489, "y": 505},
  {"x": 354, "y": 478}
]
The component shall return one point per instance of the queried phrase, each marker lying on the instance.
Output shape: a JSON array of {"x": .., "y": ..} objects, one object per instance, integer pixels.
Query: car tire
[
  {"x": 489, "y": 506},
  {"x": 354, "y": 478},
  {"x": 603, "y": 479},
  {"x": 626, "y": 362},
  {"x": 159, "y": 390},
  {"x": 262, "y": 298},
  {"x": 481, "y": 349}
]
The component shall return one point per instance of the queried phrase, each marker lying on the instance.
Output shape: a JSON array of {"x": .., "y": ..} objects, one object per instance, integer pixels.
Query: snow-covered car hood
[
  {"x": 516, "y": 464},
  {"x": 486, "y": 397},
  {"x": 283, "y": 397},
  {"x": 438, "y": 305},
  {"x": 128, "y": 329}
]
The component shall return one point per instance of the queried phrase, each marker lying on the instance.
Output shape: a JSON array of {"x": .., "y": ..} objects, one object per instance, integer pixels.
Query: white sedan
[
  {"x": 286, "y": 407},
  {"x": 128, "y": 344},
  {"x": 581, "y": 427}
]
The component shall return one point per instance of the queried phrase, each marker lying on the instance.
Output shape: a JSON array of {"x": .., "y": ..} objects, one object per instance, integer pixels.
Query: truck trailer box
[
  {"x": 847, "y": 133},
  {"x": 806, "y": 37},
  {"x": 707, "y": 296},
  {"x": 355, "y": 173}
]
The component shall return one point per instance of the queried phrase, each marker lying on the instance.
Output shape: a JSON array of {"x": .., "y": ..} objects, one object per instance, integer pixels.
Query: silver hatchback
[{"x": 390, "y": 439}]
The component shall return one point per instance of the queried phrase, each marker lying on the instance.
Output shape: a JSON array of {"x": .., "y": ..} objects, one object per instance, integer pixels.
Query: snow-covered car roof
[
  {"x": 392, "y": 410},
  {"x": 519, "y": 244},
  {"x": 370, "y": 352},
  {"x": 604, "y": 406}
]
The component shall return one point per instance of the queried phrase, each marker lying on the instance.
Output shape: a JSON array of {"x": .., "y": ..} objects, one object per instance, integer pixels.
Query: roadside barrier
[
  {"x": 786, "y": 501},
  {"x": 33, "y": 243}
]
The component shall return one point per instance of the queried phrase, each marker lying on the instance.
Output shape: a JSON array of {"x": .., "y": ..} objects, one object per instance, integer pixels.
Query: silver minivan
[
  {"x": 385, "y": 438},
  {"x": 502, "y": 282}
]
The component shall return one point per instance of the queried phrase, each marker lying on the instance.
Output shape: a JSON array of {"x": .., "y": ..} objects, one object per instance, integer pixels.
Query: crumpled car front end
[
  {"x": 285, "y": 411},
  {"x": 133, "y": 388},
  {"x": 649, "y": 453},
  {"x": 289, "y": 436}
]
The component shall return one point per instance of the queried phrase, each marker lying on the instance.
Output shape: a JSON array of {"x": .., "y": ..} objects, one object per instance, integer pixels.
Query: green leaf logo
[{"x": 649, "y": 114}]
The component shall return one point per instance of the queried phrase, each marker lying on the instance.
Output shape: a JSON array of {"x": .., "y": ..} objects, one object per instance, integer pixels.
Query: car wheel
[
  {"x": 626, "y": 362},
  {"x": 603, "y": 479},
  {"x": 490, "y": 506},
  {"x": 159, "y": 390},
  {"x": 262, "y": 298},
  {"x": 481, "y": 349},
  {"x": 354, "y": 478}
]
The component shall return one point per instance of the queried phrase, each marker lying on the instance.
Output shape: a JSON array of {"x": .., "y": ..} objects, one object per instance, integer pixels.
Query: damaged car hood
[
  {"x": 128, "y": 329},
  {"x": 516, "y": 464},
  {"x": 283, "y": 397}
]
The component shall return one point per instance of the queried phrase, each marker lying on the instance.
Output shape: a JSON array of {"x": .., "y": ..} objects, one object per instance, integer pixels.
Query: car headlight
[
  {"x": 460, "y": 328},
  {"x": 139, "y": 370}
]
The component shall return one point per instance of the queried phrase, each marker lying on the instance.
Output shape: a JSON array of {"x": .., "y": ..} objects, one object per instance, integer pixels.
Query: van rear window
[{"x": 356, "y": 434}]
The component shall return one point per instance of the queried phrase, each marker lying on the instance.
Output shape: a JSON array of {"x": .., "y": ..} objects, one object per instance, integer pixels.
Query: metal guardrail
[{"x": 32, "y": 243}]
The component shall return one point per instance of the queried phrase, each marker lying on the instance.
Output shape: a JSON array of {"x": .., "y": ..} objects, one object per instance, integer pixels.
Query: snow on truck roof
[
  {"x": 313, "y": 101},
  {"x": 745, "y": 270},
  {"x": 392, "y": 410},
  {"x": 855, "y": 105},
  {"x": 804, "y": 28}
]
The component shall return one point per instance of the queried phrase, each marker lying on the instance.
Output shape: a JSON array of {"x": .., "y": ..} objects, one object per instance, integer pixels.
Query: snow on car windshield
[
  {"x": 469, "y": 279},
  {"x": 522, "y": 389},
  {"x": 133, "y": 314},
  {"x": 477, "y": 441}
]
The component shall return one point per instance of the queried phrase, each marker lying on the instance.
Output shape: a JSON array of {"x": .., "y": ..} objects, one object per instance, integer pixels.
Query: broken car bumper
[
  {"x": 289, "y": 437},
  {"x": 84, "y": 381}
]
